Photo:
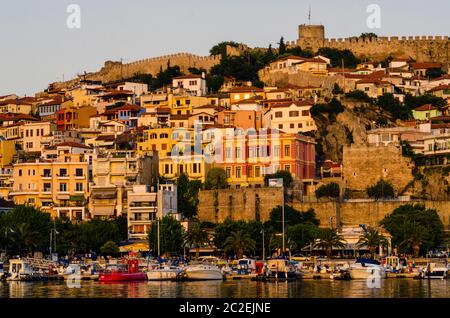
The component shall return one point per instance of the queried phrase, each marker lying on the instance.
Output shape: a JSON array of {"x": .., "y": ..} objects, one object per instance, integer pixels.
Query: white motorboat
[
  {"x": 366, "y": 268},
  {"x": 163, "y": 273},
  {"x": 434, "y": 271},
  {"x": 203, "y": 272}
]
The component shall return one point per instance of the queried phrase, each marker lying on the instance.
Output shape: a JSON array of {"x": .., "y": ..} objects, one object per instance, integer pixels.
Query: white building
[
  {"x": 142, "y": 211},
  {"x": 193, "y": 84},
  {"x": 291, "y": 117}
]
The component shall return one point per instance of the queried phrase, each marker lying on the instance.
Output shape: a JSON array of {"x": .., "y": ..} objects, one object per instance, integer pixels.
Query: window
[
  {"x": 280, "y": 126},
  {"x": 294, "y": 113},
  {"x": 228, "y": 153},
  {"x": 276, "y": 151},
  {"x": 79, "y": 172},
  {"x": 63, "y": 187},
  {"x": 300, "y": 125},
  {"x": 79, "y": 187},
  {"x": 47, "y": 173},
  {"x": 228, "y": 172},
  {"x": 257, "y": 172},
  {"x": 305, "y": 112},
  {"x": 238, "y": 152},
  {"x": 63, "y": 172},
  {"x": 238, "y": 172},
  {"x": 278, "y": 114},
  {"x": 292, "y": 125},
  {"x": 47, "y": 187},
  {"x": 287, "y": 150},
  {"x": 287, "y": 168},
  {"x": 20, "y": 172}
]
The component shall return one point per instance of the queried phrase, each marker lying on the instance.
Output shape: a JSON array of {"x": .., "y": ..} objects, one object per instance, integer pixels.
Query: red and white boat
[{"x": 124, "y": 272}]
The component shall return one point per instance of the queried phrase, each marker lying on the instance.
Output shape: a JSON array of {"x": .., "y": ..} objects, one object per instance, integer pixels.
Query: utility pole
[{"x": 263, "y": 247}]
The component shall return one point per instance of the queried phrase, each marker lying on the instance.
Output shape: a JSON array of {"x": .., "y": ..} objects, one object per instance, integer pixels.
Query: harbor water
[{"x": 325, "y": 288}]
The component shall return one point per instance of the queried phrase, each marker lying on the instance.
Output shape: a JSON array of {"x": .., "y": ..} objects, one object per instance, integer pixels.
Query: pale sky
[{"x": 37, "y": 48}]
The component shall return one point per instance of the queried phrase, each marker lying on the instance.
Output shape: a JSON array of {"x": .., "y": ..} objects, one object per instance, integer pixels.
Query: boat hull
[
  {"x": 160, "y": 275},
  {"x": 122, "y": 277},
  {"x": 366, "y": 272},
  {"x": 203, "y": 273}
]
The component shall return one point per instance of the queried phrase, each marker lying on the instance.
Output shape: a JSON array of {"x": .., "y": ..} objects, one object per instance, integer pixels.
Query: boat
[
  {"x": 433, "y": 271},
  {"x": 159, "y": 273},
  {"x": 366, "y": 268},
  {"x": 279, "y": 270},
  {"x": 202, "y": 272},
  {"x": 122, "y": 272}
]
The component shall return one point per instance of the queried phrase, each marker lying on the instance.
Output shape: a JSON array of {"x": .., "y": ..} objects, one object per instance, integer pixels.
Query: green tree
[
  {"x": 359, "y": 95},
  {"x": 224, "y": 229},
  {"x": 31, "y": 229},
  {"x": 171, "y": 235},
  {"x": 96, "y": 232},
  {"x": 328, "y": 239},
  {"x": 216, "y": 179},
  {"x": 281, "y": 47},
  {"x": 368, "y": 35},
  {"x": 392, "y": 105},
  {"x": 333, "y": 108},
  {"x": 196, "y": 237},
  {"x": 434, "y": 73},
  {"x": 109, "y": 248},
  {"x": 221, "y": 48},
  {"x": 269, "y": 55},
  {"x": 399, "y": 223},
  {"x": 337, "y": 90},
  {"x": 280, "y": 174},
  {"x": 337, "y": 56},
  {"x": 412, "y": 102},
  {"x": 301, "y": 235},
  {"x": 372, "y": 239},
  {"x": 414, "y": 235},
  {"x": 240, "y": 242},
  {"x": 188, "y": 195},
  {"x": 330, "y": 190},
  {"x": 381, "y": 190},
  {"x": 291, "y": 217}
]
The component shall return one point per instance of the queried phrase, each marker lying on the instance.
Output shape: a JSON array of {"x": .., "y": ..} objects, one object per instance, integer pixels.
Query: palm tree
[
  {"x": 197, "y": 237},
  {"x": 24, "y": 238},
  {"x": 239, "y": 242},
  {"x": 329, "y": 238},
  {"x": 372, "y": 238},
  {"x": 414, "y": 236}
]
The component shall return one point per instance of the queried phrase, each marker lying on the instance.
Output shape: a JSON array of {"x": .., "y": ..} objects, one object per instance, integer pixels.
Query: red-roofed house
[
  {"x": 426, "y": 112},
  {"x": 193, "y": 84},
  {"x": 374, "y": 87}
]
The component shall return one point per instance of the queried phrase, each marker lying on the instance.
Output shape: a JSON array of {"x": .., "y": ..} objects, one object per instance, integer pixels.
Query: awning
[
  {"x": 135, "y": 247},
  {"x": 107, "y": 210}
]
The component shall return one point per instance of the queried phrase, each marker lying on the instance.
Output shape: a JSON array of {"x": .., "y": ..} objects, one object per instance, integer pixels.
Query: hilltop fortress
[
  {"x": 311, "y": 37},
  {"x": 420, "y": 48}
]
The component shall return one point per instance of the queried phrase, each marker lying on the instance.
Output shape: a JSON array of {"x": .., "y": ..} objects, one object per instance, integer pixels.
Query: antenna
[{"x": 309, "y": 15}]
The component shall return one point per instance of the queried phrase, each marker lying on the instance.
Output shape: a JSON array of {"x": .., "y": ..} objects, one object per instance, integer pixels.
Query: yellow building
[
  {"x": 6, "y": 184},
  {"x": 59, "y": 187},
  {"x": 32, "y": 134},
  {"x": 162, "y": 140},
  {"x": 7, "y": 151},
  {"x": 170, "y": 168}
]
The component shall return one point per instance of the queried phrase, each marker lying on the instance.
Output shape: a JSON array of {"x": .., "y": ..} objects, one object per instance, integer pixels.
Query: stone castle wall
[
  {"x": 114, "y": 71},
  {"x": 420, "y": 48},
  {"x": 366, "y": 165},
  {"x": 240, "y": 204}
]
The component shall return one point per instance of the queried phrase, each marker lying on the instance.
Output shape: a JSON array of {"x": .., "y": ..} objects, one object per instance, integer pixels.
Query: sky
[{"x": 37, "y": 47}]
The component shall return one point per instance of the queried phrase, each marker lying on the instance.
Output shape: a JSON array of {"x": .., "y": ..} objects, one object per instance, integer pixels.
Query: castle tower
[
  {"x": 308, "y": 32},
  {"x": 311, "y": 37}
]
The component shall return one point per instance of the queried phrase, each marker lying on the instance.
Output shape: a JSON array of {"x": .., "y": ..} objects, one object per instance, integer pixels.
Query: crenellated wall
[
  {"x": 115, "y": 71},
  {"x": 420, "y": 48}
]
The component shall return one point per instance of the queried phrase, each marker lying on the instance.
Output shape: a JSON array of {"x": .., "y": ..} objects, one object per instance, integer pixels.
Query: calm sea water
[{"x": 406, "y": 288}]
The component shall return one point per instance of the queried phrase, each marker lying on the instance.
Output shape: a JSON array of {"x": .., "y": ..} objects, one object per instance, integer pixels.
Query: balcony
[
  {"x": 46, "y": 176},
  {"x": 63, "y": 176}
]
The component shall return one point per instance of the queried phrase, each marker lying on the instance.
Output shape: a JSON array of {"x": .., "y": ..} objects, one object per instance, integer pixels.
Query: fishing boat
[
  {"x": 202, "y": 272},
  {"x": 279, "y": 270},
  {"x": 160, "y": 273},
  {"x": 122, "y": 272},
  {"x": 366, "y": 268},
  {"x": 434, "y": 271}
]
